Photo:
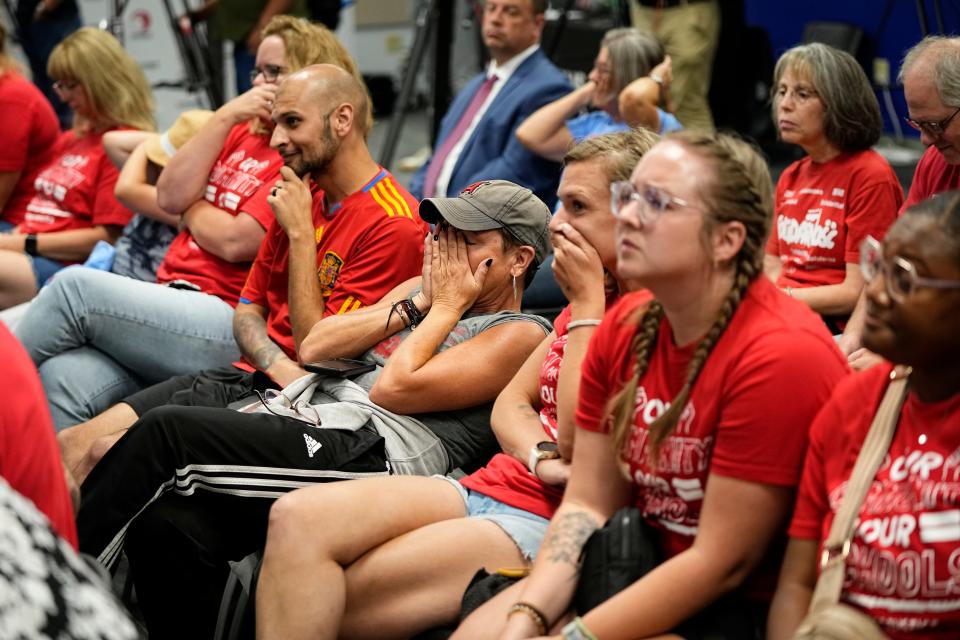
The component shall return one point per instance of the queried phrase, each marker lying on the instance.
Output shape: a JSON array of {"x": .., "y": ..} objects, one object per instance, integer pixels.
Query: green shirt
[{"x": 234, "y": 19}]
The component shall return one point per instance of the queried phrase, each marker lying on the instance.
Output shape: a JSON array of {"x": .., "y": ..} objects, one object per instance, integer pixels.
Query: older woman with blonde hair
[
  {"x": 73, "y": 205},
  {"x": 841, "y": 192},
  {"x": 630, "y": 77}
]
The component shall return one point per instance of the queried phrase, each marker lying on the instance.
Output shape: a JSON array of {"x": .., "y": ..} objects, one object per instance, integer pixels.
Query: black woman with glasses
[
  {"x": 903, "y": 561},
  {"x": 827, "y": 202},
  {"x": 693, "y": 408}
]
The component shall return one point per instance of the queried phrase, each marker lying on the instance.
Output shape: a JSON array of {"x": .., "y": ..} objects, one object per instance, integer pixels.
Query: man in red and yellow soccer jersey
[{"x": 334, "y": 247}]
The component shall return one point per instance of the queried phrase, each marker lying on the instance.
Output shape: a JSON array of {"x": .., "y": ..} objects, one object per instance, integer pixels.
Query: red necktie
[{"x": 440, "y": 157}]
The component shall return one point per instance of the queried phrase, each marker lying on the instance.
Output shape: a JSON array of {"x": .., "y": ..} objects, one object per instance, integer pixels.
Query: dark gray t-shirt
[{"x": 465, "y": 433}]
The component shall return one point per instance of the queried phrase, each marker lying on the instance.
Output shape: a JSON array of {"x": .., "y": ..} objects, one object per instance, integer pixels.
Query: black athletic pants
[{"x": 224, "y": 469}]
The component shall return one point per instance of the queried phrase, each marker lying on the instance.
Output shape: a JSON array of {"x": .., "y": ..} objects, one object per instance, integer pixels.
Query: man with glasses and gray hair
[
  {"x": 931, "y": 82},
  {"x": 930, "y": 75}
]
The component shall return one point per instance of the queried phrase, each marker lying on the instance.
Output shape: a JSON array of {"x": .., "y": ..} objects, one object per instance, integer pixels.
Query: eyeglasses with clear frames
[
  {"x": 652, "y": 201},
  {"x": 931, "y": 127},
  {"x": 900, "y": 275},
  {"x": 271, "y": 73}
]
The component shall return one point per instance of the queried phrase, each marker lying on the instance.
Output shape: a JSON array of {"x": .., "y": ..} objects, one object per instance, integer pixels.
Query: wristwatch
[
  {"x": 546, "y": 450},
  {"x": 30, "y": 245}
]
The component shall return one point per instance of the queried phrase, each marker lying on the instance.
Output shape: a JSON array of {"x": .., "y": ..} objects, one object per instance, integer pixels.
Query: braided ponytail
[{"x": 741, "y": 190}]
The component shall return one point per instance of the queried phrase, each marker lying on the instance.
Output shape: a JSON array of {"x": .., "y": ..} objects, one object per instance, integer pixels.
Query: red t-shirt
[
  {"x": 507, "y": 479},
  {"x": 904, "y": 562},
  {"x": 75, "y": 191},
  {"x": 825, "y": 210},
  {"x": 747, "y": 417},
  {"x": 29, "y": 453},
  {"x": 240, "y": 181},
  {"x": 367, "y": 244},
  {"x": 30, "y": 134},
  {"x": 932, "y": 176}
]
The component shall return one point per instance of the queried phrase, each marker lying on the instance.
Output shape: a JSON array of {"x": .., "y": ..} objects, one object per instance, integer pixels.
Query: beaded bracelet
[{"x": 533, "y": 613}]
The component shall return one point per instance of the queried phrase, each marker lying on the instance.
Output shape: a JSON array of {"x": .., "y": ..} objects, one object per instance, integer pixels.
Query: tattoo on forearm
[
  {"x": 567, "y": 537},
  {"x": 250, "y": 331}
]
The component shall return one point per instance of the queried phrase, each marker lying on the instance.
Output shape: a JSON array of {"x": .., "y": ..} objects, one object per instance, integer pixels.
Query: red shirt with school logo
[
  {"x": 240, "y": 181},
  {"x": 367, "y": 244},
  {"x": 823, "y": 212},
  {"x": 932, "y": 176},
  {"x": 30, "y": 135},
  {"x": 75, "y": 191},
  {"x": 747, "y": 417},
  {"x": 904, "y": 562}
]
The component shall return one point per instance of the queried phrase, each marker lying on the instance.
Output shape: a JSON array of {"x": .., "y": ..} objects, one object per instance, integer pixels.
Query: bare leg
[
  {"x": 17, "y": 282},
  {"x": 416, "y": 582},
  {"x": 314, "y": 533},
  {"x": 80, "y": 455}
]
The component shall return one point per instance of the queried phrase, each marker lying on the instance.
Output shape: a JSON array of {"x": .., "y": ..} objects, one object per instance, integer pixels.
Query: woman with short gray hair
[
  {"x": 630, "y": 78},
  {"x": 828, "y": 202}
]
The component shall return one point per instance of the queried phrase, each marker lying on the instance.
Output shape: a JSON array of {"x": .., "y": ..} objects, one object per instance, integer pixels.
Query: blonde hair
[
  {"x": 114, "y": 82},
  {"x": 739, "y": 190},
  {"x": 620, "y": 152},
  {"x": 307, "y": 43}
]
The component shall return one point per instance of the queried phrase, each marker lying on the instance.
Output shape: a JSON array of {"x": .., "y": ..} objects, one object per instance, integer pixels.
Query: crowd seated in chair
[
  {"x": 396, "y": 554},
  {"x": 188, "y": 487}
]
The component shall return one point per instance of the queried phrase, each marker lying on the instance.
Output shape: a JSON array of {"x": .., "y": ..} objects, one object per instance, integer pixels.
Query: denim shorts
[
  {"x": 43, "y": 268},
  {"x": 524, "y": 528}
]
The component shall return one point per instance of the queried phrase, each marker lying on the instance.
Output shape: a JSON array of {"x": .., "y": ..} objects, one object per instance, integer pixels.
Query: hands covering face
[{"x": 448, "y": 280}]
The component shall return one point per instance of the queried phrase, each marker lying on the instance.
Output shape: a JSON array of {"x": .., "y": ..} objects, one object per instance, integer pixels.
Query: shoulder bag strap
[{"x": 875, "y": 446}]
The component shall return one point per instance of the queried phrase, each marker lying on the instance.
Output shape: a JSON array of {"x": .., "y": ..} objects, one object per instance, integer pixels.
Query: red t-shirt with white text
[
  {"x": 823, "y": 211},
  {"x": 747, "y": 417},
  {"x": 30, "y": 135},
  {"x": 240, "y": 181},
  {"x": 75, "y": 191},
  {"x": 904, "y": 562},
  {"x": 29, "y": 453},
  {"x": 367, "y": 244},
  {"x": 932, "y": 176}
]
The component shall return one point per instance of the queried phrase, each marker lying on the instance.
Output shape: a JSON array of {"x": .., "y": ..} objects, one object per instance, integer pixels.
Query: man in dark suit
[{"x": 476, "y": 140}]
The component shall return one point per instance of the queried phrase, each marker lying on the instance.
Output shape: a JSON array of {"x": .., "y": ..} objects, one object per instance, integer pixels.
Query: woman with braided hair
[{"x": 689, "y": 408}]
